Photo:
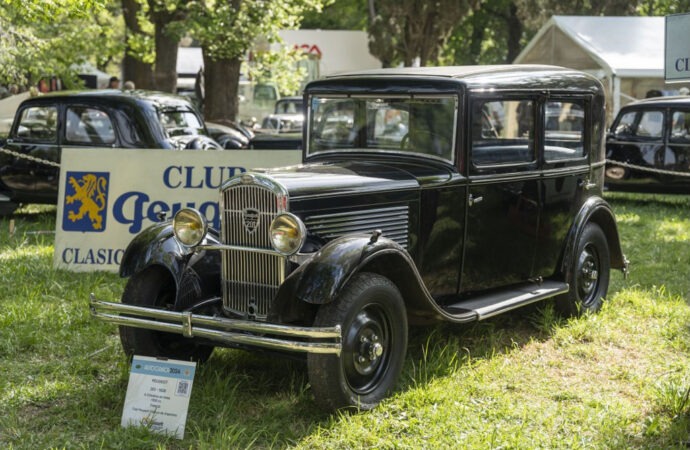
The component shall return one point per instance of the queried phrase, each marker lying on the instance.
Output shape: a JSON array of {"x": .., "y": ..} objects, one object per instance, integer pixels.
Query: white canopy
[
  {"x": 625, "y": 53},
  {"x": 622, "y": 46}
]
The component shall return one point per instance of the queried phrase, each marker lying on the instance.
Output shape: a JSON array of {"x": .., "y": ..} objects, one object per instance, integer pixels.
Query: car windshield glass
[
  {"x": 423, "y": 124},
  {"x": 180, "y": 123}
]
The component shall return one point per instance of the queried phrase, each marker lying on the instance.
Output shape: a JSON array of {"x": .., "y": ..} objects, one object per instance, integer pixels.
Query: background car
[
  {"x": 44, "y": 125},
  {"x": 648, "y": 146}
]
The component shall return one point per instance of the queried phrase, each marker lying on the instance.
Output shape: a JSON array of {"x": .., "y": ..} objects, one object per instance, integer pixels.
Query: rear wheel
[
  {"x": 372, "y": 315},
  {"x": 588, "y": 274},
  {"x": 155, "y": 287}
]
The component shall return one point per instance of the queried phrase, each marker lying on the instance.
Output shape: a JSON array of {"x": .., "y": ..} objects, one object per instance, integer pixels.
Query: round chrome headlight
[
  {"x": 189, "y": 227},
  {"x": 287, "y": 234}
]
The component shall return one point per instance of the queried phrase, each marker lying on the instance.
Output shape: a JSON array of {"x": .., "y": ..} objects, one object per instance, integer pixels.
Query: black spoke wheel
[
  {"x": 155, "y": 287},
  {"x": 588, "y": 274},
  {"x": 372, "y": 315}
]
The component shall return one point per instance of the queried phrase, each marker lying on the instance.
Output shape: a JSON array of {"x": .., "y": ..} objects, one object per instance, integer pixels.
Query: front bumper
[{"x": 220, "y": 329}]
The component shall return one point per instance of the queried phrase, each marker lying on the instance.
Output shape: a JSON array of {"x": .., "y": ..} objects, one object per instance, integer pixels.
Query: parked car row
[{"x": 44, "y": 125}]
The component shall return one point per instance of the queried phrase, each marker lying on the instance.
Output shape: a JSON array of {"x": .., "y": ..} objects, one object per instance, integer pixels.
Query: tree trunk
[
  {"x": 221, "y": 81},
  {"x": 165, "y": 68},
  {"x": 514, "y": 34},
  {"x": 133, "y": 69}
]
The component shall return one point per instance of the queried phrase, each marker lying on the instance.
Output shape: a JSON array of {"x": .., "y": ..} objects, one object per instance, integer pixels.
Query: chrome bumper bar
[{"x": 221, "y": 329}]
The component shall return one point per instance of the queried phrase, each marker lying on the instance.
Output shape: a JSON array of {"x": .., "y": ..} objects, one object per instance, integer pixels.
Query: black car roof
[
  {"x": 507, "y": 76},
  {"x": 159, "y": 100},
  {"x": 661, "y": 101}
]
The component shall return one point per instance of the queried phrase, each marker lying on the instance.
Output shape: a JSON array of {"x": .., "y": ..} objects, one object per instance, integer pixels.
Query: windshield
[
  {"x": 422, "y": 125},
  {"x": 181, "y": 123}
]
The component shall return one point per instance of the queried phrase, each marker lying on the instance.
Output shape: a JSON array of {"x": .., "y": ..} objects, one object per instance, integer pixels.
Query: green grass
[{"x": 619, "y": 379}]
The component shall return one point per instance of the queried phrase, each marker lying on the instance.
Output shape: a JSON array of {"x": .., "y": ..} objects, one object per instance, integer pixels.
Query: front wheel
[
  {"x": 372, "y": 315},
  {"x": 155, "y": 288},
  {"x": 588, "y": 274}
]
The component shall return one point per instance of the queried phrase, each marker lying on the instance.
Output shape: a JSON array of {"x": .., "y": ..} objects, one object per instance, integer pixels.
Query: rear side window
[
  {"x": 502, "y": 132},
  {"x": 89, "y": 126},
  {"x": 38, "y": 124},
  {"x": 564, "y": 130},
  {"x": 680, "y": 126}
]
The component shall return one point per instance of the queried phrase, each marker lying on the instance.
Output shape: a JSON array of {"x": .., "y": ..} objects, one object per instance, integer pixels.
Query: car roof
[
  {"x": 506, "y": 76},
  {"x": 159, "y": 100},
  {"x": 661, "y": 101}
]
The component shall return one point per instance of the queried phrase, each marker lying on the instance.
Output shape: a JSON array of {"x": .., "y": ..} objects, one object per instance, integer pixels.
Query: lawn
[{"x": 619, "y": 379}]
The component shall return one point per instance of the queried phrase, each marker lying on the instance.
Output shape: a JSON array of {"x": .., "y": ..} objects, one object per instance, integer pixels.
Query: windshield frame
[{"x": 454, "y": 97}]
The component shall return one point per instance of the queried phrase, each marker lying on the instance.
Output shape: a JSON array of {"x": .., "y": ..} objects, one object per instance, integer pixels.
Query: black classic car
[
  {"x": 29, "y": 161},
  {"x": 648, "y": 146},
  {"x": 426, "y": 194}
]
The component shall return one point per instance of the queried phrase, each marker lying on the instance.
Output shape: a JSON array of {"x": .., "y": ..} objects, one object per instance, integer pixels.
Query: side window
[
  {"x": 88, "y": 126},
  {"x": 680, "y": 126},
  {"x": 651, "y": 124},
  {"x": 38, "y": 124},
  {"x": 502, "y": 132},
  {"x": 625, "y": 125},
  {"x": 564, "y": 130}
]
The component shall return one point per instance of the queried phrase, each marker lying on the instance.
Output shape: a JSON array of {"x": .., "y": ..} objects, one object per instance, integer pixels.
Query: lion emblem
[{"x": 90, "y": 191}]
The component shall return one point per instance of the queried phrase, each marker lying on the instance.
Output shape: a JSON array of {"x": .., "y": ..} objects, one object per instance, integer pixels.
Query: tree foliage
[
  {"x": 400, "y": 31},
  {"x": 51, "y": 38},
  {"x": 227, "y": 30}
]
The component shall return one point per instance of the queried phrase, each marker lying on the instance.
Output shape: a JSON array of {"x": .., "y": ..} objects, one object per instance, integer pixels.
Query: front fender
[
  {"x": 321, "y": 278},
  {"x": 196, "y": 274},
  {"x": 598, "y": 211}
]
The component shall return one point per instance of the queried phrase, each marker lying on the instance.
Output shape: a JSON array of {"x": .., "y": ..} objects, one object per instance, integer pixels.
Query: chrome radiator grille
[
  {"x": 392, "y": 221},
  {"x": 250, "y": 280}
]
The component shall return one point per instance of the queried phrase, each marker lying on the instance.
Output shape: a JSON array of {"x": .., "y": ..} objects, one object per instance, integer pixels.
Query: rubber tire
[
  {"x": 586, "y": 295},
  {"x": 369, "y": 304},
  {"x": 155, "y": 287}
]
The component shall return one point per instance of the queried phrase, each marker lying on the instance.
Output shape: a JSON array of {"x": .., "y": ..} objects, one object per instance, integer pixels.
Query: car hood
[{"x": 343, "y": 178}]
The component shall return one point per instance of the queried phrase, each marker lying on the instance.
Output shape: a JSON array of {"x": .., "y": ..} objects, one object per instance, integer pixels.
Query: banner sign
[
  {"x": 677, "y": 53},
  {"x": 107, "y": 196},
  {"x": 158, "y": 394}
]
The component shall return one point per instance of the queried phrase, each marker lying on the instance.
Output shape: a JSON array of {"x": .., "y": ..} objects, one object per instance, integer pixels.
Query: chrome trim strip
[{"x": 220, "y": 329}]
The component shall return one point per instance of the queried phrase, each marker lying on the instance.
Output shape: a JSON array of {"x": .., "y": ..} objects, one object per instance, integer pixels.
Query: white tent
[{"x": 626, "y": 53}]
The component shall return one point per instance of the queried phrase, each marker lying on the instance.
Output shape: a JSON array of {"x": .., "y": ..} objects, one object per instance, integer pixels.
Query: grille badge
[{"x": 250, "y": 219}]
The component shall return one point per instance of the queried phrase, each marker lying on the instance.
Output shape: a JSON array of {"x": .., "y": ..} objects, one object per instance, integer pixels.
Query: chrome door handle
[
  {"x": 587, "y": 185},
  {"x": 474, "y": 200}
]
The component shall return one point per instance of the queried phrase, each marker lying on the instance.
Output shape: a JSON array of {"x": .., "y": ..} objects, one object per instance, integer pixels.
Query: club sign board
[
  {"x": 108, "y": 196},
  {"x": 677, "y": 51}
]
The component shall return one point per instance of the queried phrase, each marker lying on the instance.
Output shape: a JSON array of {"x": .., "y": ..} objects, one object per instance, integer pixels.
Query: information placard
[{"x": 158, "y": 394}]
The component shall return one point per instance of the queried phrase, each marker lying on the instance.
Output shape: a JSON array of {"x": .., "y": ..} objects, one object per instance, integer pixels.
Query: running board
[
  {"x": 489, "y": 305},
  {"x": 4, "y": 198}
]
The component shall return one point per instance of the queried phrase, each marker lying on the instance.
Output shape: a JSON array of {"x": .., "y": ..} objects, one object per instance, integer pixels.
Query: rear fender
[{"x": 595, "y": 210}]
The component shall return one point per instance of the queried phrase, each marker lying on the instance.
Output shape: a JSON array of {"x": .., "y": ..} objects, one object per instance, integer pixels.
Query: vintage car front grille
[
  {"x": 250, "y": 280},
  {"x": 392, "y": 221}
]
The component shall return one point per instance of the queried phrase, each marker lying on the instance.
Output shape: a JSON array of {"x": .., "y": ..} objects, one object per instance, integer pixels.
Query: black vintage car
[
  {"x": 648, "y": 146},
  {"x": 29, "y": 162},
  {"x": 426, "y": 194}
]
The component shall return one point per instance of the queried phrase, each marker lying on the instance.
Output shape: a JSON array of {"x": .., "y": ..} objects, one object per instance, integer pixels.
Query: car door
[
  {"x": 566, "y": 135},
  {"x": 503, "y": 194},
  {"x": 34, "y": 135},
  {"x": 677, "y": 154}
]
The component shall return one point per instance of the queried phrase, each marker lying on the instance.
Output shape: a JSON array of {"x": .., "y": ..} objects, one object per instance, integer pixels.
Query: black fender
[
  {"x": 196, "y": 273},
  {"x": 595, "y": 210},
  {"x": 322, "y": 277}
]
